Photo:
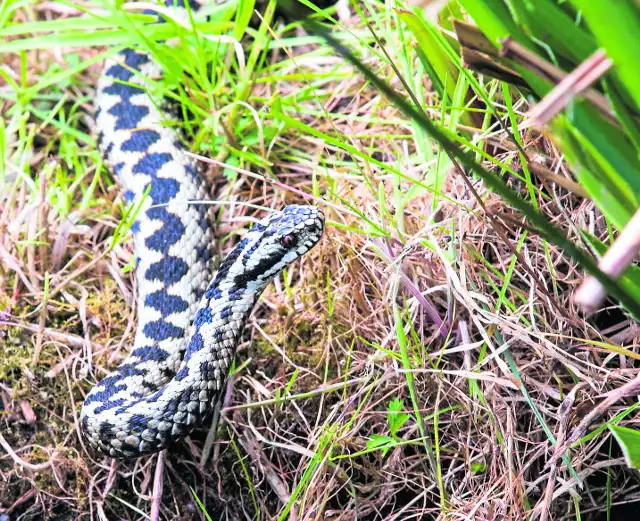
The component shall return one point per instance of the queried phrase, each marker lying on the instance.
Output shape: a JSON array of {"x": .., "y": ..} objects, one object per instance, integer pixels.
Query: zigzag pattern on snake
[{"x": 186, "y": 332}]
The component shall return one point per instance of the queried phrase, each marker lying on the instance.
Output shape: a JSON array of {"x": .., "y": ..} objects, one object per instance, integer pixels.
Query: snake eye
[{"x": 289, "y": 241}]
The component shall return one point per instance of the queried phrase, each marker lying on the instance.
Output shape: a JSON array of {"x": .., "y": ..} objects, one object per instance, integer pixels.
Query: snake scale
[{"x": 189, "y": 320}]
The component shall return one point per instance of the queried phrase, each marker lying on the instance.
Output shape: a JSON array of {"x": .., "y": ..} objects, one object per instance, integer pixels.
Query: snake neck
[{"x": 223, "y": 312}]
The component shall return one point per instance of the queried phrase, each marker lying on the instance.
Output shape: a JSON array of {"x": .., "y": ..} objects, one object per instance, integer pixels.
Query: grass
[{"x": 412, "y": 366}]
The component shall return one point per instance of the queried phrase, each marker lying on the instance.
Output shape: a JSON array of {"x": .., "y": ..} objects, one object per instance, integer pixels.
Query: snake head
[
  {"x": 270, "y": 246},
  {"x": 296, "y": 229},
  {"x": 280, "y": 239}
]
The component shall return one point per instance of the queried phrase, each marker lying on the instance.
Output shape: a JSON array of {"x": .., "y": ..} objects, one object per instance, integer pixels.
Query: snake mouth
[
  {"x": 307, "y": 221},
  {"x": 320, "y": 217},
  {"x": 318, "y": 226}
]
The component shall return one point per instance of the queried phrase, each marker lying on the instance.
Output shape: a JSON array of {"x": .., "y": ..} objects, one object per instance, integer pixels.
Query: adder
[{"x": 189, "y": 320}]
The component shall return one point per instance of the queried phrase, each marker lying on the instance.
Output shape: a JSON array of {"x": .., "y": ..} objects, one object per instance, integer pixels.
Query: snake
[{"x": 190, "y": 317}]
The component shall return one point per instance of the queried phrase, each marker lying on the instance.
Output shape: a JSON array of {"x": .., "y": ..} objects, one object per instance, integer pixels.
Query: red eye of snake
[{"x": 288, "y": 241}]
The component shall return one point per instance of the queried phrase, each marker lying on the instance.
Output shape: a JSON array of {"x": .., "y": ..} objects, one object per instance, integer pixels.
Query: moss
[
  {"x": 15, "y": 353},
  {"x": 109, "y": 310}
]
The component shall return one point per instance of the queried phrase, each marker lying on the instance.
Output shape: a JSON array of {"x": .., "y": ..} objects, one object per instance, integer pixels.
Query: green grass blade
[{"x": 542, "y": 225}]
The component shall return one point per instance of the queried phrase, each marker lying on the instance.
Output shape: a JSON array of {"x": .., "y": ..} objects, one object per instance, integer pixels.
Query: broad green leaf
[
  {"x": 626, "y": 117},
  {"x": 629, "y": 441},
  {"x": 432, "y": 47},
  {"x": 616, "y": 26},
  {"x": 548, "y": 24},
  {"x": 604, "y": 181},
  {"x": 494, "y": 18},
  {"x": 601, "y": 182}
]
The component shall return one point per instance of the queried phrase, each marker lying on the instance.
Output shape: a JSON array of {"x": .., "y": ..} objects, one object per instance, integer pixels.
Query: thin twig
[
  {"x": 158, "y": 485},
  {"x": 631, "y": 388},
  {"x": 34, "y": 467},
  {"x": 573, "y": 84}
]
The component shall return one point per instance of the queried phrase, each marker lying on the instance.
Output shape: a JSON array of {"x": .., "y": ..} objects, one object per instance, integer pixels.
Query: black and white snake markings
[{"x": 188, "y": 324}]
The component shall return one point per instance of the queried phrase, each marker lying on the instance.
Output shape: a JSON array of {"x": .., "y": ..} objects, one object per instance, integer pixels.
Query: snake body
[{"x": 189, "y": 321}]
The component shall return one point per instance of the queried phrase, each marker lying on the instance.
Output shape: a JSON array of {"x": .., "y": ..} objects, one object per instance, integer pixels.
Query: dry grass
[{"x": 419, "y": 299}]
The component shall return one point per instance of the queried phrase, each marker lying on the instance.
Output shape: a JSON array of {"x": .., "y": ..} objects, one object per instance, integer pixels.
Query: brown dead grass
[{"x": 341, "y": 343}]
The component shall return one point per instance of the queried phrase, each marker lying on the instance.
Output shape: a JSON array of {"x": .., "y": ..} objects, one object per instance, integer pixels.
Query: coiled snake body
[{"x": 187, "y": 331}]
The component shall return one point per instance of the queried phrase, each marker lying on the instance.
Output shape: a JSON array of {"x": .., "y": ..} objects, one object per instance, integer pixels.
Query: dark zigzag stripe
[
  {"x": 112, "y": 383},
  {"x": 254, "y": 247},
  {"x": 203, "y": 316},
  {"x": 161, "y": 330},
  {"x": 110, "y": 405},
  {"x": 213, "y": 292},
  {"x": 117, "y": 168},
  {"x": 204, "y": 220},
  {"x": 258, "y": 227},
  {"x": 163, "y": 190},
  {"x": 195, "y": 344},
  {"x": 140, "y": 141},
  {"x": 182, "y": 373},
  {"x": 171, "y": 232},
  {"x": 236, "y": 294},
  {"x": 138, "y": 423},
  {"x": 150, "y": 353},
  {"x": 128, "y": 115},
  {"x": 169, "y": 270},
  {"x": 103, "y": 396},
  {"x": 118, "y": 72},
  {"x": 204, "y": 253},
  {"x": 133, "y": 60},
  {"x": 171, "y": 408},
  {"x": 154, "y": 397},
  {"x": 151, "y": 163},
  {"x": 125, "y": 91},
  {"x": 224, "y": 269},
  {"x": 165, "y": 303}
]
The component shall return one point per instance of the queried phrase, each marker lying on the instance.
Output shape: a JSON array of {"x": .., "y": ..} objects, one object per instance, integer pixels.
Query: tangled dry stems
[{"x": 329, "y": 335}]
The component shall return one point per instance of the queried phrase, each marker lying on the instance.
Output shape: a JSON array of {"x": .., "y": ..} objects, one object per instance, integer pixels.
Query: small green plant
[{"x": 395, "y": 420}]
